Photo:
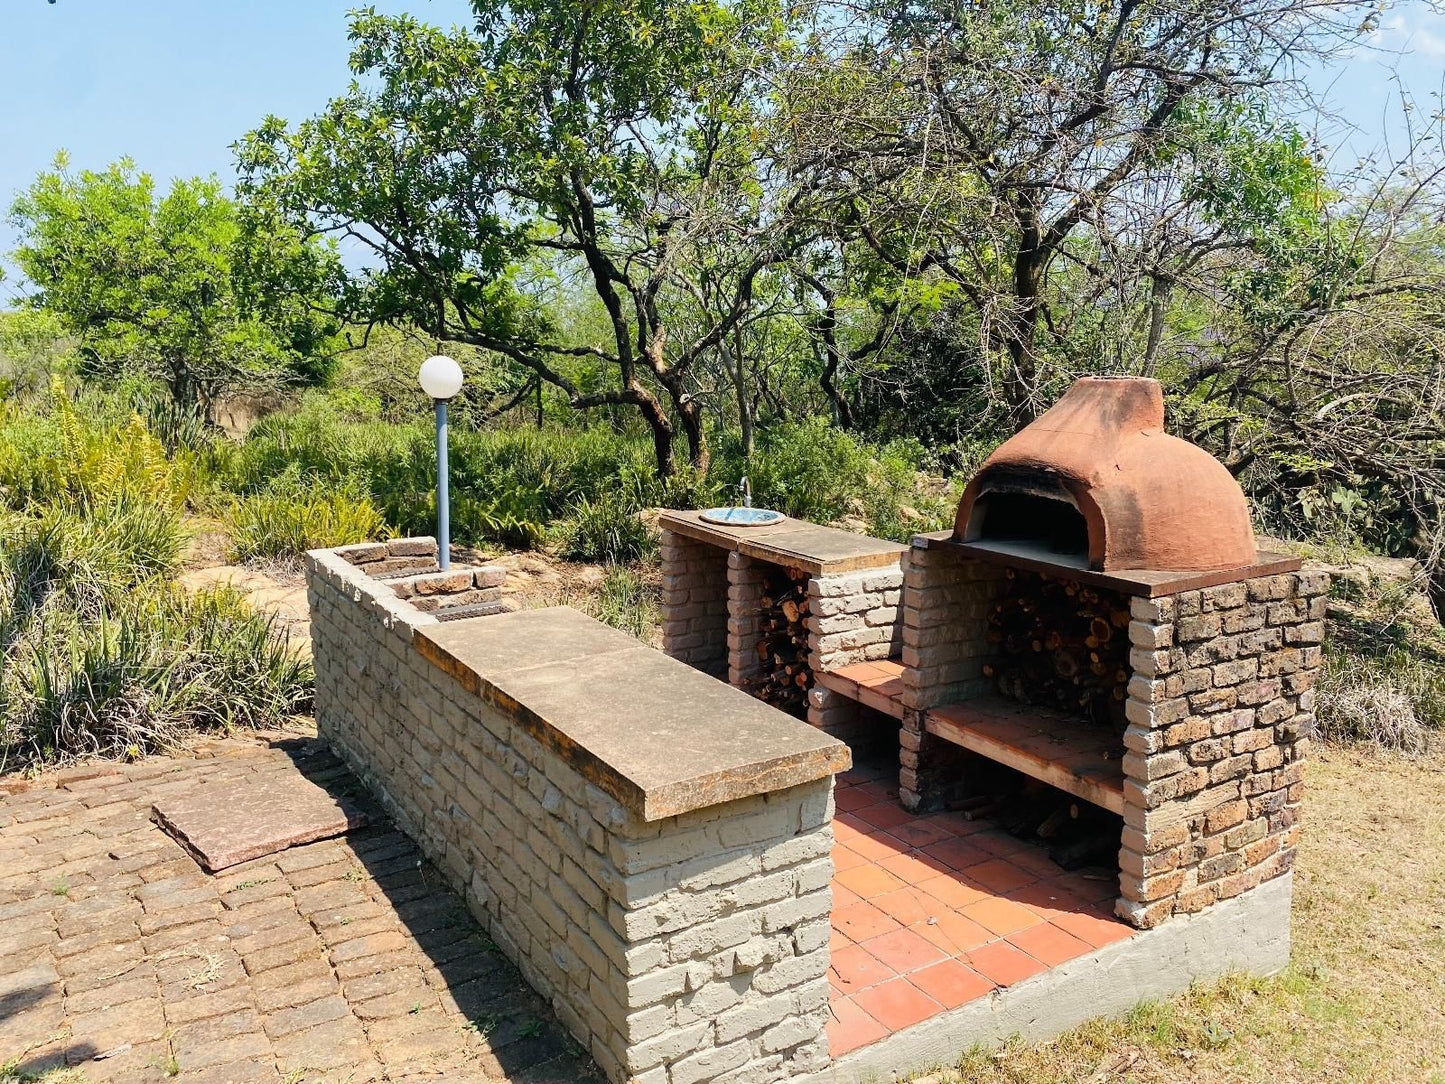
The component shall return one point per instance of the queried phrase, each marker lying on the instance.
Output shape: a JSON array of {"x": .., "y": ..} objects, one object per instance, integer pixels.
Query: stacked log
[
  {"x": 1075, "y": 834},
  {"x": 1062, "y": 645},
  {"x": 785, "y": 677}
]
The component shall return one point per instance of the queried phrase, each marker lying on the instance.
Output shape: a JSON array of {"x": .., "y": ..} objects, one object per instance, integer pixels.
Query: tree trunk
[
  {"x": 699, "y": 455},
  {"x": 661, "y": 426},
  {"x": 740, "y": 386}
]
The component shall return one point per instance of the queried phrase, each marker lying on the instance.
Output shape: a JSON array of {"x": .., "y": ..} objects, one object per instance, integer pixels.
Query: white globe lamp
[{"x": 441, "y": 378}]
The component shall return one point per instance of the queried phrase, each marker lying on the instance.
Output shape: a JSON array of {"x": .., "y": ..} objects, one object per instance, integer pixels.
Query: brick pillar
[
  {"x": 1220, "y": 711},
  {"x": 695, "y": 603},
  {"x": 745, "y": 579},
  {"x": 946, "y": 598}
]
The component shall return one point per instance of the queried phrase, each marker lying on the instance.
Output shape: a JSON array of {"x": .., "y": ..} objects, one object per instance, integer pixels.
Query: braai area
[{"x": 874, "y": 804}]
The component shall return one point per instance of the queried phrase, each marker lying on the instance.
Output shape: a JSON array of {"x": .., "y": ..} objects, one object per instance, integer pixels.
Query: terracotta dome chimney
[{"x": 1096, "y": 480}]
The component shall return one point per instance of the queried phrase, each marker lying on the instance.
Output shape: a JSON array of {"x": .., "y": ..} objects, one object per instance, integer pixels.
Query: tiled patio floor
[{"x": 931, "y": 912}]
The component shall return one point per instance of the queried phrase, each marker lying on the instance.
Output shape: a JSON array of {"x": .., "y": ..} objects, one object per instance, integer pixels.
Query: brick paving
[
  {"x": 932, "y": 912},
  {"x": 341, "y": 960}
]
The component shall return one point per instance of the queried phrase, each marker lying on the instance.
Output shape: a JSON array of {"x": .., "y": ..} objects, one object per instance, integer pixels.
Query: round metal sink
[{"x": 742, "y": 517}]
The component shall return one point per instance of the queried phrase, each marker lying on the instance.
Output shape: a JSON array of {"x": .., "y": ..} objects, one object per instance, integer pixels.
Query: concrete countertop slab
[
  {"x": 1143, "y": 582},
  {"x": 794, "y": 542},
  {"x": 657, "y": 735}
]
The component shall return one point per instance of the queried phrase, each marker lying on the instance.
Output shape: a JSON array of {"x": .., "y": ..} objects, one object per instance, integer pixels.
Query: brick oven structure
[{"x": 1099, "y": 630}]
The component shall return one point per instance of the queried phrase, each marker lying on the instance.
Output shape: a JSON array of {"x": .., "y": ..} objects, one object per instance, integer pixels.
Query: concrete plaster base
[{"x": 1248, "y": 933}]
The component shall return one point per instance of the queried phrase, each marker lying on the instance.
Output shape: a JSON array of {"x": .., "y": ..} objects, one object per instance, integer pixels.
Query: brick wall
[
  {"x": 944, "y": 624},
  {"x": 853, "y": 617},
  {"x": 1221, "y": 711},
  {"x": 408, "y": 566},
  {"x": 695, "y": 603},
  {"x": 746, "y": 580},
  {"x": 677, "y": 951}
]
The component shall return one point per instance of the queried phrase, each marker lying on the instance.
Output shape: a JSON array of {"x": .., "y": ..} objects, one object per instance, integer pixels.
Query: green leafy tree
[
  {"x": 1052, "y": 160},
  {"x": 184, "y": 288},
  {"x": 612, "y": 142}
]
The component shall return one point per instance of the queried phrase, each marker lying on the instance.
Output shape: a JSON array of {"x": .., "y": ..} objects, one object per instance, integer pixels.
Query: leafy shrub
[
  {"x": 62, "y": 454},
  {"x": 103, "y": 655},
  {"x": 608, "y": 529},
  {"x": 626, "y": 600},
  {"x": 292, "y": 518},
  {"x": 90, "y": 555},
  {"x": 134, "y": 681},
  {"x": 811, "y": 470}
]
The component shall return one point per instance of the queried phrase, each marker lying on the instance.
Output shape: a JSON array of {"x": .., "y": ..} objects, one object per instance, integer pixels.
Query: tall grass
[
  {"x": 285, "y": 520},
  {"x": 101, "y": 654}
]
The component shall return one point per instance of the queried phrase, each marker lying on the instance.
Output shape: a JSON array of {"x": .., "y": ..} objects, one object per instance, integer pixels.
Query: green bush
[
  {"x": 293, "y": 518},
  {"x": 608, "y": 529},
  {"x": 104, "y": 655},
  {"x": 626, "y": 600},
  {"x": 814, "y": 471}
]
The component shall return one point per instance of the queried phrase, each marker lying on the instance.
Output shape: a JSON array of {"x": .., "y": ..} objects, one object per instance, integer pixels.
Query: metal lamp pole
[
  {"x": 444, "y": 499},
  {"x": 441, "y": 378}
]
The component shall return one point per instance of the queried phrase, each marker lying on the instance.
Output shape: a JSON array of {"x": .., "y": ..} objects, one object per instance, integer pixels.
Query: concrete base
[{"x": 1248, "y": 933}]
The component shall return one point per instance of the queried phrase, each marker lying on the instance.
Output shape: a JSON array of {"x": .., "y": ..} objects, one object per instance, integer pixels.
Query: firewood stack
[
  {"x": 1075, "y": 834},
  {"x": 1061, "y": 645},
  {"x": 785, "y": 678}
]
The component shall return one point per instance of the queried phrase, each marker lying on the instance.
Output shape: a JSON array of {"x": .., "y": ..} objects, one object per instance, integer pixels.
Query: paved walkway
[{"x": 344, "y": 960}]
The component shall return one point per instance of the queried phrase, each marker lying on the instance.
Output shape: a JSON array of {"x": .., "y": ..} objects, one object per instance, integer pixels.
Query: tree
[
  {"x": 612, "y": 142},
  {"x": 1048, "y": 159},
  {"x": 185, "y": 289}
]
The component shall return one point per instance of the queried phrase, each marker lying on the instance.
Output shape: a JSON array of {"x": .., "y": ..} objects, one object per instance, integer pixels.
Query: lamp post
[{"x": 441, "y": 378}]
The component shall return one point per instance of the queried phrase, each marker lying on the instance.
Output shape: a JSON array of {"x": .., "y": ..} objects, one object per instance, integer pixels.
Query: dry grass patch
[{"x": 1362, "y": 1000}]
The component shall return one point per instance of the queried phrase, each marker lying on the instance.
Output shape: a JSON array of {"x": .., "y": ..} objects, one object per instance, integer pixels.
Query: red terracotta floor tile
[
  {"x": 897, "y": 1004},
  {"x": 1095, "y": 930},
  {"x": 877, "y": 792},
  {"x": 913, "y": 866},
  {"x": 847, "y": 827},
  {"x": 907, "y": 906},
  {"x": 862, "y": 921},
  {"x": 855, "y": 968},
  {"x": 998, "y": 875},
  {"x": 953, "y": 890},
  {"x": 920, "y": 832},
  {"x": 950, "y": 983},
  {"x": 844, "y": 897},
  {"x": 997, "y": 842},
  {"x": 1036, "y": 862},
  {"x": 961, "y": 932},
  {"x": 844, "y": 857},
  {"x": 1048, "y": 899},
  {"x": 1001, "y": 916},
  {"x": 868, "y": 881},
  {"x": 958, "y": 824},
  {"x": 1003, "y": 964},
  {"x": 876, "y": 846},
  {"x": 838, "y": 939},
  {"x": 887, "y": 814},
  {"x": 956, "y": 853},
  {"x": 1049, "y": 944},
  {"x": 847, "y": 799},
  {"x": 904, "y": 950},
  {"x": 850, "y": 1027}
]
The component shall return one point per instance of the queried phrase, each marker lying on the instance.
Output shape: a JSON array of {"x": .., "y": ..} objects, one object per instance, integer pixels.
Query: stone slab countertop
[
  {"x": 1143, "y": 582},
  {"x": 794, "y": 542},
  {"x": 657, "y": 735}
]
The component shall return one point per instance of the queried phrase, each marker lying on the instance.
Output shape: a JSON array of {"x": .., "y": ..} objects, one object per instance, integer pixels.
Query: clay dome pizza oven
[{"x": 1096, "y": 482}]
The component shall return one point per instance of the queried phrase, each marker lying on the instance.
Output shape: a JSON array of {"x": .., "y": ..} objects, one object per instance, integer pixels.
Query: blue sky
[{"x": 173, "y": 83}]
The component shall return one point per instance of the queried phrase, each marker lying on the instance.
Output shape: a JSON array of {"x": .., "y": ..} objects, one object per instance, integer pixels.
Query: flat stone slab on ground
[{"x": 233, "y": 822}]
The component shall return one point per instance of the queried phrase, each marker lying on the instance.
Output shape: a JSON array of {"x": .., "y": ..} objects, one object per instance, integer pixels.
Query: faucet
[{"x": 745, "y": 492}]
